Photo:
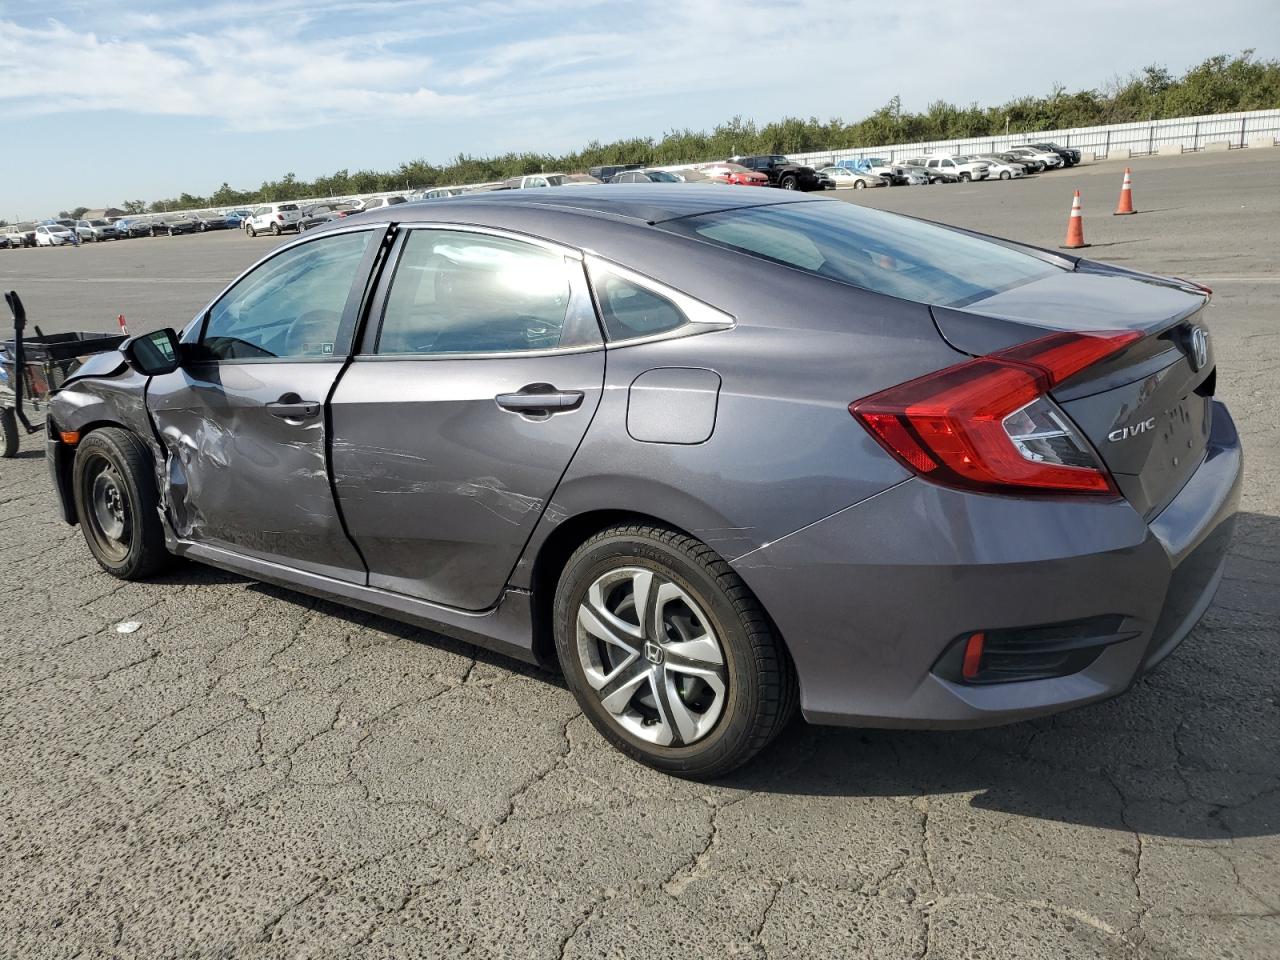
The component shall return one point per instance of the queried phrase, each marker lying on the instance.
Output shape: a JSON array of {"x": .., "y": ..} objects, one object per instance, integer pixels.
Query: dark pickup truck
[{"x": 782, "y": 172}]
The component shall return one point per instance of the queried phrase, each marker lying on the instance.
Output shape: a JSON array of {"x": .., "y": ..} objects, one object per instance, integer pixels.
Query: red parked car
[{"x": 735, "y": 174}]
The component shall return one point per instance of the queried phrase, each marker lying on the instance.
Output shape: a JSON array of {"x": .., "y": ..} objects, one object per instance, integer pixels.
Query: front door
[
  {"x": 454, "y": 424},
  {"x": 243, "y": 421}
]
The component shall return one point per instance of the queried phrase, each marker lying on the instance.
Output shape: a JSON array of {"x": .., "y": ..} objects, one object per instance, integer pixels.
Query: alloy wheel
[{"x": 651, "y": 655}]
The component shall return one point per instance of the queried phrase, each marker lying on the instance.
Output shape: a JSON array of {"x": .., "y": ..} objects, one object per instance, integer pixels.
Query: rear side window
[
  {"x": 459, "y": 292},
  {"x": 870, "y": 249},
  {"x": 631, "y": 311}
]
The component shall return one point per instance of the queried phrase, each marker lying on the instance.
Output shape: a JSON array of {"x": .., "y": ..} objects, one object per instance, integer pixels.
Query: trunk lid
[{"x": 1147, "y": 410}]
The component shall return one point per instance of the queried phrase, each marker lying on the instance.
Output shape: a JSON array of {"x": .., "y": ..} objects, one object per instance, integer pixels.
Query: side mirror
[{"x": 153, "y": 354}]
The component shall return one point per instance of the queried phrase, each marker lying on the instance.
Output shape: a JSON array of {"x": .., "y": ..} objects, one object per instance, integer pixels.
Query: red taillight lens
[
  {"x": 987, "y": 424},
  {"x": 279, "y": 216}
]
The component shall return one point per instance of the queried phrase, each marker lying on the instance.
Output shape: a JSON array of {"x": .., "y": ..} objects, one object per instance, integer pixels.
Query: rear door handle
[
  {"x": 293, "y": 407},
  {"x": 531, "y": 400}
]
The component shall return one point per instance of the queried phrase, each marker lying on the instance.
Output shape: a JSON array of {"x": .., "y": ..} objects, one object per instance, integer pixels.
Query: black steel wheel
[{"x": 116, "y": 503}]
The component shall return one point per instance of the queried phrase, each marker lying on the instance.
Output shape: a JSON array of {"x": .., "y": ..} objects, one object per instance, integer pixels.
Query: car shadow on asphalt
[{"x": 1189, "y": 752}]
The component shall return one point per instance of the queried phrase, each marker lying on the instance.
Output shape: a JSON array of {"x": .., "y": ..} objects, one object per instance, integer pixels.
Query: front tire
[
  {"x": 859, "y": 185},
  {"x": 668, "y": 653},
  {"x": 115, "y": 498},
  {"x": 1005, "y": 174},
  {"x": 8, "y": 433},
  {"x": 252, "y": 232}
]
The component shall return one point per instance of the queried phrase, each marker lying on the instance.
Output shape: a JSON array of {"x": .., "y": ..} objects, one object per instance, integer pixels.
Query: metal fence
[{"x": 1117, "y": 139}]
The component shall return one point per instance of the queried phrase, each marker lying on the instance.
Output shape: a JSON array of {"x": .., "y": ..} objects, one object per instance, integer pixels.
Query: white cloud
[
  {"x": 570, "y": 66},
  {"x": 248, "y": 79}
]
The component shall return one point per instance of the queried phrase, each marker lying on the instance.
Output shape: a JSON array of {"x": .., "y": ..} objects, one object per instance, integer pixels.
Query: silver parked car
[
  {"x": 712, "y": 454},
  {"x": 96, "y": 230},
  {"x": 843, "y": 177},
  {"x": 999, "y": 169}
]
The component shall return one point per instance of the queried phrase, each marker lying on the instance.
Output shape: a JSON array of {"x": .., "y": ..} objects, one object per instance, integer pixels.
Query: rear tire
[
  {"x": 8, "y": 433},
  {"x": 115, "y": 497},
  {"x": 275, "y": 229},
  {"x": 789, "y": 183},
  {"x": 700, "y": 683}
]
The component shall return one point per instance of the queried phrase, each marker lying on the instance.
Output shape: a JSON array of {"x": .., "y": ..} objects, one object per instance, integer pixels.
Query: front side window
[
  {"x": 289, "y": 307},
  {"x": 870, "y": 249},
  {"x": 456, "y": 292}
]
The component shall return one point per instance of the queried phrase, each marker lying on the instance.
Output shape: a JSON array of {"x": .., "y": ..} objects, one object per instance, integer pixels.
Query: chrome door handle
[
  {"x": 292, "y": 407},
  {"x": 549, "y": 401}
]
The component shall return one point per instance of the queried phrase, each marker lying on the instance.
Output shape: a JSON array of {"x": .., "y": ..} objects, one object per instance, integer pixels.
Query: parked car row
[{"x": 761, "y": 170}]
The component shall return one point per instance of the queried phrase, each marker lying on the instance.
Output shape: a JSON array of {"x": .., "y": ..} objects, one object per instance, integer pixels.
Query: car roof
[{"x": 643, "y": 203}]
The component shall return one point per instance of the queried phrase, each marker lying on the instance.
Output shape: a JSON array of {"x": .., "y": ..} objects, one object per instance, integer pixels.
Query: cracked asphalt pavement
[{"x": 254, "y": 774}]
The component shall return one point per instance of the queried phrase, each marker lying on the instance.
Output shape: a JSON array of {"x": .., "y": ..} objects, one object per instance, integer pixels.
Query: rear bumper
[{"x": 869, "y": 598}]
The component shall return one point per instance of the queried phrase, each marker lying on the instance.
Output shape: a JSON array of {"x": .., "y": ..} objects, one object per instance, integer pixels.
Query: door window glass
[
  {"x": 289, "y": 307},
  {"x": 469, "y": 293}
]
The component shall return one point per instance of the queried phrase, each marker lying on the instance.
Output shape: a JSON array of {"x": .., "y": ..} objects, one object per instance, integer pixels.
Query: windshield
[{"x": 870, "y": 249}]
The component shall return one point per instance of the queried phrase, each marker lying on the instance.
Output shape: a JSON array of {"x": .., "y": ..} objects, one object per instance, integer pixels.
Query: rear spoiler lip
[{"x": 1177, "y": 283}]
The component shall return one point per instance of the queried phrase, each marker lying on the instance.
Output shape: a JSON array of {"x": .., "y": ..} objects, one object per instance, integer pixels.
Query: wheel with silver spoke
[
  {"x": 648, "y": 650},
  {"x": 116, "y": 503},
  {"x": 668, "y": 652}
]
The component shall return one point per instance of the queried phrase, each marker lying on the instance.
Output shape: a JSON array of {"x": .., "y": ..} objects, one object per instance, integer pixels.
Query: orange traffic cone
[
  {"x": 1126, "y": 197},
  {"x": 1075, "y": 226}
]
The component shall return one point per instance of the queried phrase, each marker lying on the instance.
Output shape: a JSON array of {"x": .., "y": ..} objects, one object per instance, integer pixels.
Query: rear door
[
  {"x": 243, "y": 423},
  {"x": 478, "y": 376}
]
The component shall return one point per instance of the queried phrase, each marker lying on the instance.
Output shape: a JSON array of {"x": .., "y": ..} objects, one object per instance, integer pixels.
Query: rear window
[
  {"x": 287, "y": 206},
  {"x": 870, "y": 249}
]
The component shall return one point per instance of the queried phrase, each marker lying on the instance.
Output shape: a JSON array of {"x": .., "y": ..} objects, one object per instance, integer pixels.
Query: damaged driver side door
[{"x": 243, "y": 420}]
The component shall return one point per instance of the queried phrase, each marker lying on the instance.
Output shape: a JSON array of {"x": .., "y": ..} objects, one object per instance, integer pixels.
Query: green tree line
[{"x": 1221, "y": 84}]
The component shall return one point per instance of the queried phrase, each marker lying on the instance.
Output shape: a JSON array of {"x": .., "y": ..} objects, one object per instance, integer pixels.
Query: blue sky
[{"x": 106, "y": 100}]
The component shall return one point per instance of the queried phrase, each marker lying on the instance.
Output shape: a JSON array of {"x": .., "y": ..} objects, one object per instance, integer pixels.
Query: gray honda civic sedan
[{"x": 714, "y": 453}]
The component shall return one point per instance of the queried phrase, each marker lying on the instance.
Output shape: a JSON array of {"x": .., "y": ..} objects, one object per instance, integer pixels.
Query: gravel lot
[{"x": 255, "y": 774}]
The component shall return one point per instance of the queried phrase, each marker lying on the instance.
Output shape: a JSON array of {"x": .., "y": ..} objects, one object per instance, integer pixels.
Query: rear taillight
[
  {"x": 988, "y": 424},
  {"x": 279, "y": 216}
]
